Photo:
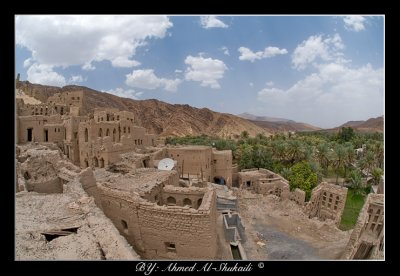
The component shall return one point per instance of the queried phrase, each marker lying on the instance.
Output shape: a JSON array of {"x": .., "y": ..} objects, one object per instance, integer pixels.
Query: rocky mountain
[
  {"x": 276, "y": 125},
  {"x": 370, "y": 125},
  {"x": 158, "y": 117}
]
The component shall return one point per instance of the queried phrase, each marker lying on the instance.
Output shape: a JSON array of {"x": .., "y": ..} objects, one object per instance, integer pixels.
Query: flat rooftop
[{"x": 143, "y": 180}]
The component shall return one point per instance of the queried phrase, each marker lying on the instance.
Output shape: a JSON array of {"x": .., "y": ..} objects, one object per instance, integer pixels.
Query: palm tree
[
  {"x": 356, "y": 182},
  {"x": 340, "y": 155},
  {"x": 322, "y": 155},
  {"x": 376, "y": 175},
  {"x": 349, "y": 157}
]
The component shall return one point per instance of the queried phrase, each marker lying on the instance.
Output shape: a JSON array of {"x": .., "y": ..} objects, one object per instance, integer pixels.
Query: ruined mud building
[
  {"x": 263, "y": 181},
  {"x": 367, "y": 238}
]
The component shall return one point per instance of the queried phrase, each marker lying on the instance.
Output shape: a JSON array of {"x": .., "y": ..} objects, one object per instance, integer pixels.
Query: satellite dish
[{"x": 166, "y": 164}]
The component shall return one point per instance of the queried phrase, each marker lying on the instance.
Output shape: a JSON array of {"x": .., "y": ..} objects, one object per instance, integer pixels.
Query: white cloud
[
  {"x": 269, "y": 83},
  {"x": 27, "y": 62},
  {"x": 44, "y": 74},
  {"x": 317, "y": 48},
  {"x": 178, "y": 71},
  {"x": 247, "y": 54},
  {"x": 205, "y": 70},
  {"x": 124, "y": 62},
  {"x": 332, "y": 95},
  {"x": 354, "y": 23},
  {"x": 251, "y": 84},
  {"x": 211, "y": 22},
  {"x": 65, "y": 40},
  {"x": 225, "y": 50},
  {"x": 146, "y": 79},
  {"x": 124, "y": 93},
  {"x": 76, "y": 79}
]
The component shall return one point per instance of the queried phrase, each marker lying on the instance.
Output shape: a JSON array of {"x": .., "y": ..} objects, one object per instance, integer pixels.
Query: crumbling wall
[
  {"x": 233, "y": 228},
  {"x": 193, "y": 161},
  {"x": 175, "y": 232},
  {"x": 298, "y": 196},
  {"x": 163, "y": 232},
  {"x": 88, "y": 181},
  {"x": 367, "y": 239},
  {"x": 327, "y": 202},
  {"x": 276, "y": 186},
  {"x": 44, "y": 168}
]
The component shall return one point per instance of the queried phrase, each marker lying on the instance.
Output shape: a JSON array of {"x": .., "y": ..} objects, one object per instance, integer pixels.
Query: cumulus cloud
[
  {"x": 76, "y": 79},
  {"x": 146, "y": 79},
  {"x": 211, "y": 22},
  {"x": 67, "y": 40},
  {"x": 205, "y": 70},
  {"x": 318, "y": 48},
  {"x": 225, "y": 50},
  {"x": 354, "y": 23},
  {"x": 332, "y": 95},
  {"x": 64, "y": 40},
  {"x": 124, "y": 93},
  {"x": 269, "y": 83},
  {"x": 247, "y": 54},
  {"x": 44, "y": 74}
]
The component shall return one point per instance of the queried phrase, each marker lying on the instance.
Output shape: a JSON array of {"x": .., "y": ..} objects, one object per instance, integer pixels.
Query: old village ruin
[{"x": 90, "y": 186}]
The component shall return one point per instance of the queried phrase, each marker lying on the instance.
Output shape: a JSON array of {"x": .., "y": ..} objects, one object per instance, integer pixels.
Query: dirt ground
[
  {"x": 96, "y": 238},
  {"x": 278, "y": 229}
]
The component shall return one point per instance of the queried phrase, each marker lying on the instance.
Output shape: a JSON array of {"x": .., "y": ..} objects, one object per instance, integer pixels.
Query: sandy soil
[{"x": 278, "y": 229}]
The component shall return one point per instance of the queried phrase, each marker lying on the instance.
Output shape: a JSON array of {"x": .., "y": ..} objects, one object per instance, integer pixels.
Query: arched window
[
  {"x": 114, "y": 134},
  {"x": 108, "y": 132},
  {"x": 100, "y": 132},
  {"x": 187, "y": 201},
  {"x": 171, "y": 201},
  {"x": 199, "y": 202}
]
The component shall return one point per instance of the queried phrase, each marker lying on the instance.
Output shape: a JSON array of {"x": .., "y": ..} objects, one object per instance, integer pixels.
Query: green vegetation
[
  {"x": 305, "y": 158},
  {"x": 354, "y": 203},
  {"x": 303, "y": 177}
]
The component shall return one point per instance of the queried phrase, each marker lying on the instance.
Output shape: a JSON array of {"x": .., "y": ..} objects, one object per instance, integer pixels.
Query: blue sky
[{"x": 322, "y": 70}]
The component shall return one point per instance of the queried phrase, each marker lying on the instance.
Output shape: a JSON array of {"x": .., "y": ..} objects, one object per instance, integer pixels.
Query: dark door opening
[
  {"x": 248, "y": 183},
  {"x": 29, "y": 134},
  {"x": 235, "y": 252},
  {"x": 145, "y": 163},
  {"x": 219, "y": 180},
  {"x": 46, "y": 135}
]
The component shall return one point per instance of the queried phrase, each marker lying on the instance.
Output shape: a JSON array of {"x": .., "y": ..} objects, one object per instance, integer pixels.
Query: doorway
[
  {"x": 29, "y": 134},
  {"x": 46, "y": 135}
]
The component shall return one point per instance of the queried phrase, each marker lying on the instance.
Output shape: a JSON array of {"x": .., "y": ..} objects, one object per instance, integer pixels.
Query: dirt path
[{"x": 280, "y": 230}]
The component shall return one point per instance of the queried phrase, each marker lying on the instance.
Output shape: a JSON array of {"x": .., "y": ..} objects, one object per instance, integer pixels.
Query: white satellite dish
[{"x": 166, "y": 164}]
